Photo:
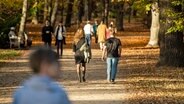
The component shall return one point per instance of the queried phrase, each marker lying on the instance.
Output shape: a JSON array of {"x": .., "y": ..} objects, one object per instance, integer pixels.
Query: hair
[
  {"x": 42, "y": 55},
  {"x": 79, "y": 34},
  {"x": 61, "y": 21}
]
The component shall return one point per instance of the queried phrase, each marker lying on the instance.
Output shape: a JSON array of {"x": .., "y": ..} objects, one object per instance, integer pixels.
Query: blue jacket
[{"x": 40, "y": 90}]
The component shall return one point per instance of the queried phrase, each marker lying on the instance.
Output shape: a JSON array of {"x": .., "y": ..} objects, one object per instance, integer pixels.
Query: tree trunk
[
  {"x": 120, "y": 16},
  {"x": 62, "y": 12},
  {"x": 54, "y": 12},
  {"x": 35, "y": 15},
  {"x": 23, "y": 20},
  {"x": 155, "y": 26},
  {"x": 80, "y": 10},
  {"x": 69, "y": 13},
  {"x": 106, "y": 12},
  {"x": 49, "y": 9},
  {"x": 88, "y": 9},
  {"x": 171, "y": 45},
  {"x": 45, "y": 10}
]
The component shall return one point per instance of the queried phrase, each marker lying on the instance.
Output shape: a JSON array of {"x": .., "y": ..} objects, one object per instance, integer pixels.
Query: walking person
[
  {"x": 101, "y": 32},
  {"x": 47, "y": 32},
  {"x": 79, "y": 54},
  {"x": 41, "y": 87},
  {"x": 113, "y": 27},
  {"x": 60, "y": 32},
  {"x": 88, "y": 31},
  {"x": 95, "y": 26},
  {"x": 112, "y": 50}
]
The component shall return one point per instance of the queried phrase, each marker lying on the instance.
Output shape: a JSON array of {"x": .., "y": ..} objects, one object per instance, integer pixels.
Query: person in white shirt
[
  {"x": 88, "y": 31},
  {"x": 60, "y": 32}
]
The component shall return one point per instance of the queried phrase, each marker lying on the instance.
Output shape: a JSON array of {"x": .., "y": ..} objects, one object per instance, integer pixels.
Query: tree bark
[
  {"x": 49, "y": 9},
  {"x": 80, "y": 10},
  {"x": 54, "y": 12},
  {"x": 23, "y": 20},
  {"x": 69, "y": 13},
  {"x": 88, "y": 10},
  {"x": 171, "y": 45},
  {"x": 45, "y": 9},
  {"x": 120, "y": 16},
  {"x": 155, "y": 26},
  {"x": 106, "y": 12},
  {"x": 35, "y": 15}
]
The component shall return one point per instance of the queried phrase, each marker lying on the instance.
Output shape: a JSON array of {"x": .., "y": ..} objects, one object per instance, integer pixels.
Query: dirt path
[{"x": 138, "y": 80}]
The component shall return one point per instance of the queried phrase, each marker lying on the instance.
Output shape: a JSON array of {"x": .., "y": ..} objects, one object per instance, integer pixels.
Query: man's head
[
  {"x": 47, "y": 22},
  {"x": 88, "y": 22},
  {"x": 60, "y": 23},
  {"x": 102, "y": 21},
  {"x": 44, "y": 61},
  {"x": 12, "y": 28}
]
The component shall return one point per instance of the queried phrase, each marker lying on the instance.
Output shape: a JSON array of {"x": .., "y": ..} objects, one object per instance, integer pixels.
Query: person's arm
[
  {"x": 55, "y": 32},
  {"x": 119, "y": 48},
  {"x": 64, "y": 31},
  {"x": 92, "y": 31},
  {"x": 104, "y": 53},
  {"x": 52, "y": 31},
  {"x": 74, "y": 48}
]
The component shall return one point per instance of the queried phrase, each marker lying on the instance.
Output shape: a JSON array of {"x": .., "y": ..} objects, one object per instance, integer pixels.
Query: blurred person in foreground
[
  {"x": 112, "y": 50},
  {"x": 41, "y": 87}
]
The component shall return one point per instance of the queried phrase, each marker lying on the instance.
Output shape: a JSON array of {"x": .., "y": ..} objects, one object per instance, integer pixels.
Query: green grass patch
[{"x": 9, "y": 54}]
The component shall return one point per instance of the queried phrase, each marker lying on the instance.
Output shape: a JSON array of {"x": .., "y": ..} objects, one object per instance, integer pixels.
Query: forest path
[{"x": 138, "y": 80}]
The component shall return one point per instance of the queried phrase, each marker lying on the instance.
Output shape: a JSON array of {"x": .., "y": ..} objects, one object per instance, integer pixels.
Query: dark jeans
[
  {"x": 60, "y": 45},
  {"x": 47, "y": 44}
]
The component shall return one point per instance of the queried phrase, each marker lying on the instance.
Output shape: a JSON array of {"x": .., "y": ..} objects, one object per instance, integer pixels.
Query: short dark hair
[
  {"x": 42, "y": 55},
  {"x": 61, "y": 21}
]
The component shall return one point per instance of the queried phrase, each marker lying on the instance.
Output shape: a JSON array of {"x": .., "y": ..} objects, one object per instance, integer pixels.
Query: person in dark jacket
[
  {"x": 47, "y": 32},
  {"x": 60, "y": 32},
  {"x": 79, "y": 54}
]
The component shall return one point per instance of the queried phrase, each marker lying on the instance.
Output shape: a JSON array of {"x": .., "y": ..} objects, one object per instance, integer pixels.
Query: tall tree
[
  {"x": 34, "y": 12},
  {"x": 54, "y": 12},
  {"x": 119, "y": 15},
  {"x": 88, "y": 10},
  {"x": 23, "y": 19},
  {"x": 69, "y": 13},
  {"x": 171, "y": 33},
  {"x": 130, "y": 3},
  {"x": 155, "y": 26},
  {"x": 45, "y": 9},
  {"x": 80, "y": 10},
  {"x": 106, "y": 11}
]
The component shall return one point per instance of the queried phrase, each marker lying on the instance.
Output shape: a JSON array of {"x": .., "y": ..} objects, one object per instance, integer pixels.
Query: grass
[{"x": 9, "y": 54}]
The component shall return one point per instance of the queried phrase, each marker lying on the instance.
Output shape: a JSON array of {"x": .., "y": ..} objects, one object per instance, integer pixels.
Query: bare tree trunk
[
  {"x": 106, "y": 12},
  {"x": 171, "y": 45},
  {"x": 35, "y": 15},
  {"x": 23, "y": 20},
  {"x": 49, "y": 9},
  {"x": 69, "y": 13},
  {"x": 62, "y": 12},
  {"x": 45, "y": 10},
  {"x": 80, "y": 10},
  {"x": 120, "y": 15},
  {"x": 155, "y": 26},
  {"x": 54, "y": 12}
]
